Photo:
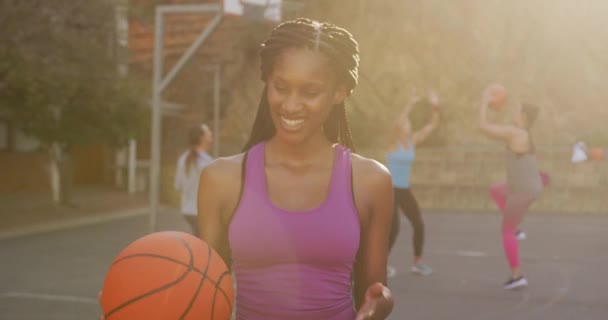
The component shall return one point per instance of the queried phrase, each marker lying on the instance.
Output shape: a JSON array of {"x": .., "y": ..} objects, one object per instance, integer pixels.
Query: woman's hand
[
  {"x": 487, "y": 97},
  {"x": 433, "y": 98},
  {"x": 413, "y": 100},
  {"x": 377, "y": 300}
]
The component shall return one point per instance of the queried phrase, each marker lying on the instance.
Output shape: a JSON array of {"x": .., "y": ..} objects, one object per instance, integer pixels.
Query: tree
[{"x": 59, "y": 81}]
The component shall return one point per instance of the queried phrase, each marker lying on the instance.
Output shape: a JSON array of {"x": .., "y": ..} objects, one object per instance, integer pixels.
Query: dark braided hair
[{"x": 342, "y": 50}]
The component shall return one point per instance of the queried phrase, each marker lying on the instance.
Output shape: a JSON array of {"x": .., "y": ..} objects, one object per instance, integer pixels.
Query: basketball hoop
[{"x": 254, "y": 10}]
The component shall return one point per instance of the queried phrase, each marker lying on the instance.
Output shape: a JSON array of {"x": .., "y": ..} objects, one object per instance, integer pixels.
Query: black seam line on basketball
[
  {"x": 200, "y": 285},
  {"x": 150, "y": 255},
  {"x": 159, "y": 289},
  {"x": 222, "y": 291},
  {"x": 217, "y": 287}
]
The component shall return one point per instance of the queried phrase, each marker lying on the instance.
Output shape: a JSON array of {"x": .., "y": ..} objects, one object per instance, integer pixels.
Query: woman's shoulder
[
  {"x": 224, "y": 167},
  {"x": 372, "y": 186},
  {"x": 397, "y": 146},
  {"x": 369, "y": 170}
]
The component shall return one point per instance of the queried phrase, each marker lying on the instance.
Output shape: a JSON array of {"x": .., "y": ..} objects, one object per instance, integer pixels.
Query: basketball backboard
[{"x": 268, "y": 10}]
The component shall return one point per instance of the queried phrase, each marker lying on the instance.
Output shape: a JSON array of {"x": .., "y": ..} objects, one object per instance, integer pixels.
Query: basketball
[
  {"x": 167, "y": 275},
  {"x": 499, "y": 96},
  {"x": 596, "y": 153}
]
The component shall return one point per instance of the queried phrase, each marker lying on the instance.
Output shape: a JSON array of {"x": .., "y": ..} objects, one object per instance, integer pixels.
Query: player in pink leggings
[
  {"x": 499, "y": 192},
  {"x": 524, "y": 184}
]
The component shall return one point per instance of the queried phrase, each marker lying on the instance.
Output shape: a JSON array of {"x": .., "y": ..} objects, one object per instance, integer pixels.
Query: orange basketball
[
  {"x": 168, "y": 275},
  {"x": 499, "y": 96},
  {"x": 596, "y": 153}
]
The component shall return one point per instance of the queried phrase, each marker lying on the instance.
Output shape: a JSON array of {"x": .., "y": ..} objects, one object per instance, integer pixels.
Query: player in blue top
[{"x": 399, "y": 159}]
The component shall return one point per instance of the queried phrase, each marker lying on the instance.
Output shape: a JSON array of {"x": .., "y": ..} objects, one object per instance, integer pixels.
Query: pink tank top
[{"x": 294, "y": 265}]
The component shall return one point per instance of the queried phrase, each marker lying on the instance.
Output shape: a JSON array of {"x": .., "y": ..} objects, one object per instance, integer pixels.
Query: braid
[
  {"x": 263, "y": 128},
  {"x": 342, "y": 50},
  {"x": 336, "y": 127}
]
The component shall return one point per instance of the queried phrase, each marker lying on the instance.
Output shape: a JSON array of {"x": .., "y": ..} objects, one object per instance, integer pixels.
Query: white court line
[
  {"x": 48, "y": 297},
  {"x": 469, "y": 253},
  {"x": 458, "y": 253},
  {"x": 73, "y": 223}
]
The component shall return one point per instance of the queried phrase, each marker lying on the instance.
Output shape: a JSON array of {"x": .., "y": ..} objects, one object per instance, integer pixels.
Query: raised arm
[
  {"x": 493, "y": 130},
  {"x": 413, "y": 100},
  {"x": 373, "y": 299},
  {"x": 421, "y": 135}
]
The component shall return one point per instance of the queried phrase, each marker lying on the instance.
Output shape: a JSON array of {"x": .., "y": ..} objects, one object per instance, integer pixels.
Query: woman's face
[{"x": 302, "y": 90}]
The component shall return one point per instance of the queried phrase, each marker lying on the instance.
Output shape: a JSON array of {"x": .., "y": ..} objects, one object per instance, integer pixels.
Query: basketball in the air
[
  {"x": 168, "y": 275},
  {"x": 498, "y": 96}
]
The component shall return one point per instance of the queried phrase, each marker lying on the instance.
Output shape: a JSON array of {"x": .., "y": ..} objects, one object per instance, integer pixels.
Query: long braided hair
[{"x": 342, "y": 50}]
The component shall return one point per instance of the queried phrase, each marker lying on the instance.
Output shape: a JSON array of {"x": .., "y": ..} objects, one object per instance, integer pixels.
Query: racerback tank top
[
  {"x": 294, "y": 265},
  {"x": 523, "y": 175}
]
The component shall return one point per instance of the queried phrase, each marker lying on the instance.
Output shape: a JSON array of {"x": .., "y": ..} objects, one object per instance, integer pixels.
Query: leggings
[
  {"x": 498, "y": 192},
  {"x": 404, "y": 200},
  {"x": 513, "y": 206}
]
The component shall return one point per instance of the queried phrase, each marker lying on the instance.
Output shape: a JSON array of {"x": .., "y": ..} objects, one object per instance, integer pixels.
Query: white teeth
[{"x": 292, "y": 123}]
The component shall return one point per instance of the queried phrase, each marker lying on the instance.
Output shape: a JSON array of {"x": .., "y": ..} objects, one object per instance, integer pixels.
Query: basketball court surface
[{"x": 57, "y": 275}]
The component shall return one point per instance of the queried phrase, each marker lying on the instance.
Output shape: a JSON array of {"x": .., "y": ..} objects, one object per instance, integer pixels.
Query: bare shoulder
[
  {"x": 222, "y": 176},
  {"x": 224, "y": 167},
  {"x": 369, "y": 169},
  {"x": 372, "y": 188},
  {"x": 220, "y": 185}
]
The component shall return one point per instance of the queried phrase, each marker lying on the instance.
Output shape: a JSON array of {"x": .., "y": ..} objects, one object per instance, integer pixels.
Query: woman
[
  {"x": 399, "y": 160},
  {"x": 189, "y": 166},
  {"x": 301, "y": 217},
  {"x": 524, "y": 184}
]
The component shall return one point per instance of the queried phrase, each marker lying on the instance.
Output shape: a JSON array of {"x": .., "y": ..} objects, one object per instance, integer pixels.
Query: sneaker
[
  {"x": 516, "y": 283},
  {"x": 421, "y": 269},
  {"x": 520, "y": 235},
  {"x": 390, "y": 271}
]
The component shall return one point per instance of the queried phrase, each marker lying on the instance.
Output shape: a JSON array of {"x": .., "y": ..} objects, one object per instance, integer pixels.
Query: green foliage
[{"x": 64, "y": 86}]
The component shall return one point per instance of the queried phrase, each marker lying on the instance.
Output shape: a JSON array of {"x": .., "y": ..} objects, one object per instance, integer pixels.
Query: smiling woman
[
  {"x": 298, "y": 213},
  {"x": 324, "y": 70},
  {"x": 300, "y": 88}
]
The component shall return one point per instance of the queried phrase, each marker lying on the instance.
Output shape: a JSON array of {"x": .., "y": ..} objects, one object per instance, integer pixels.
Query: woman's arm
[
  {"x": 413, "y": 100},
  {"x": 422, "y": 134},
  {"x": 373, "y": 299},
  {"x": 218, "y": 195},
  {"x": 218, "y": 188},
  {"x": 492, "y": 130}
]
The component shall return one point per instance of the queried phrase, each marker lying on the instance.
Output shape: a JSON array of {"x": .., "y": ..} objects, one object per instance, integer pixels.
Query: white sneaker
[
  {"x": 516, "y": 283},
  {"x": 391, "y": 271},
  {"x": 421, "y": 269},
  {"x": 520, "y": 235}
]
